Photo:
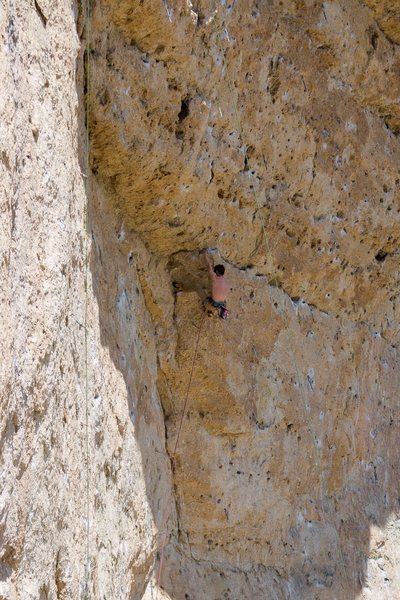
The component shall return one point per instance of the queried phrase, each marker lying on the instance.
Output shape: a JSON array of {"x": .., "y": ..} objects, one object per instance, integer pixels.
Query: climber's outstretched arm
[{"x": 210, "y": 265}]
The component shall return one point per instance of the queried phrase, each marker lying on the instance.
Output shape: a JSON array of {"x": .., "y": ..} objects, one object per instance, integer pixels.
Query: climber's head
[{"x": 219, "y": 270}]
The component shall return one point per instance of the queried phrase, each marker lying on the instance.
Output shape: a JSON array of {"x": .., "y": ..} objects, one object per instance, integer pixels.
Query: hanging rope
[
  {"x": 168, "y": 504},
  {"x": 188, "y": 388},
  {"x": 88, "y": 11}
]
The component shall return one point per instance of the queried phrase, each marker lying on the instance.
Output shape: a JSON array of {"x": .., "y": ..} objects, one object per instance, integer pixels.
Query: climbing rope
[
  {"x": 88, "y": 15},
  {"x": 168, "y": 504}
]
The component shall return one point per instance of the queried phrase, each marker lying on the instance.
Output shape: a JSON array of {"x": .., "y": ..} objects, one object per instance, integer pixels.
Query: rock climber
[{"x": 219, "y": 289}]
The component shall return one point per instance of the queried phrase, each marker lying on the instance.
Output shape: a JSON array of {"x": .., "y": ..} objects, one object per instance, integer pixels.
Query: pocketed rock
[{"x": 267, "y": 131}]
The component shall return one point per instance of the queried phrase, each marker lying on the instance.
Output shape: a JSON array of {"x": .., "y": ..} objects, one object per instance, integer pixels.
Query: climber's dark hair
[{"x": 219, "y": 269}]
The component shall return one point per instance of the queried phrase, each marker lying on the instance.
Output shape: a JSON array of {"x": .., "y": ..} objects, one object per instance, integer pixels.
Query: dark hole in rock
[
  {"x": 374, "y": 39},
  {"x": 184, "y": 112},
  {"x": 380, "y": 257}
]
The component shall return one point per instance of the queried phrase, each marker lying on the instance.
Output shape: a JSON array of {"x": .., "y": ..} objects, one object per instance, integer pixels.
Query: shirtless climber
[{"x": 219, "y": 290}]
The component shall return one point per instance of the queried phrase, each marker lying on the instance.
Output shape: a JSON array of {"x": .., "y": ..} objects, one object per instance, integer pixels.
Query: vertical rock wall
[
  {"x": 77, "y": 490},
  {"x": 270, "y": 131},
  {"x": 267, "y": 130}
]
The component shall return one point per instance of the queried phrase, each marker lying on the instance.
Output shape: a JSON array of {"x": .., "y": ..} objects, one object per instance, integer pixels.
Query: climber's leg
[{"x": 209, "y": 306}]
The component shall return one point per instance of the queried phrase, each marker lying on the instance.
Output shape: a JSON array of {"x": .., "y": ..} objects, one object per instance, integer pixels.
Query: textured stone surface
[
  {"x": 212, "y": 125},
  {"x": 387, "y": 14},
  {"x": 285, "y": 130},
  {"x": 267, "y": 130},
  {"x": 72, "y": 430}
]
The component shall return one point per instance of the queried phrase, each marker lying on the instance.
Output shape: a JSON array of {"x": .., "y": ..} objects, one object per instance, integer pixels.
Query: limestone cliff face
[
  {"x": 269, "y": 131},
  {"x": 77, "y": 491}
]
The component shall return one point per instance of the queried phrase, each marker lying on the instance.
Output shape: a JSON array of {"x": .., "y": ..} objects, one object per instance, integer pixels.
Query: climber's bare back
[{"x": 219, "y": 287}]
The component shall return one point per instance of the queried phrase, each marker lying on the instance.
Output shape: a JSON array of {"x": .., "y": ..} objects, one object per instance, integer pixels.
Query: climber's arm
[{"x": 210, "y": 266}]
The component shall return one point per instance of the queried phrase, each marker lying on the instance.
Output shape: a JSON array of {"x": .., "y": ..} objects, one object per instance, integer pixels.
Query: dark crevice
[
  {"x": 380, "y": 257},
  {"x": 184, "y": 112},
  {"x": 373, "y": 37},
  {"x": 374, "y": 40},
  {"x": 41, "y": 14}
]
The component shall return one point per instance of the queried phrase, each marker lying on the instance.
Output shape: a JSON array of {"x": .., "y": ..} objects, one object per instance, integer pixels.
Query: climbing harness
[
  {"x": 222, "y": 311},
  {"x": 168, "y": 504}
]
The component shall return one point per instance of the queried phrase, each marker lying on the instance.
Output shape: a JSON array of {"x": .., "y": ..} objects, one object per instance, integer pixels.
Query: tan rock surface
[
  {"x": 212, "y": 122},
  {"x": 289, "y": 120},
  {"x": 268, "y": 130},
  {"x": 387, "y": 13}
]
